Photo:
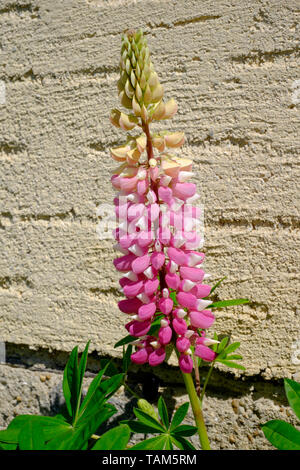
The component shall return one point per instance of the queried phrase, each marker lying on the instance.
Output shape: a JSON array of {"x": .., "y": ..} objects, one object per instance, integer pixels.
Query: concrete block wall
[{"x": 233, "y": 68}]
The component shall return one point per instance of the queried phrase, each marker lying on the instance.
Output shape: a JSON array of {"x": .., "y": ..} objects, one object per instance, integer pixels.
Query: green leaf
[
  {"x": 110, "y": 368},
  {"x": 31, "y": 436},
  {"x": 217, "y": 284},
  {"x": 292, "y": 390},
  {"x": 234, "y": 357},
  {"x": 228, "y": 303},
  {"x": 185, "y": 430},
  {"x": 163, "y": 412},
  {"x": 179, "y": 416},
  {"x": 173, "y": 297},
  {"x": 111, "y": 385},
  {"x": 282, "y": 435},
  {"x": 139, "y": 427},
  {"x": 154, "y": 443},
  {"x": 222, "y": 344},
  {"x": 127, "y": 339},
  {"x": 114, "y": 439},
  {"x": 232, "y": 347},
  {"x": 168, "y": 444},
  {"x": 82, "y": 367},
  {"x": 148, "y": 420},
  {"x": 215, "y": 346},
  {"x": 234, "y": 365},
  {"x": 126, "y": 358},
  {"x": 182, "y": 443},
  {"x": 92, "y": 395},
  {"x": 77, "y": 437},
  {"x": 155, "y": 325},
  {"x": 70, "y": 382},
  {"x": 51, "y": 427}
]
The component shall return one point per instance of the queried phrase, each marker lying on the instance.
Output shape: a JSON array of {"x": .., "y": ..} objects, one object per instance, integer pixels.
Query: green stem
[
  {"x": 196, "y": 407},
  {"x": 131, "y": 391},
  {"x": 206, "y": 382}
]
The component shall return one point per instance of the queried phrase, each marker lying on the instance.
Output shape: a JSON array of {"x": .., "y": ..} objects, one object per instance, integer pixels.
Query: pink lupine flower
[{"x": 156, "y": 235}]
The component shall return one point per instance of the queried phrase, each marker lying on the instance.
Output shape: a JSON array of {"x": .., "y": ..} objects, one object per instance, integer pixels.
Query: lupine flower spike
[{"x": 162, "y": 274}]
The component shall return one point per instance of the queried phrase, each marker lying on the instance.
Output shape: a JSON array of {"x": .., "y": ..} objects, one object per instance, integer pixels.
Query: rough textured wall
[{"x": 233, "y": 67}]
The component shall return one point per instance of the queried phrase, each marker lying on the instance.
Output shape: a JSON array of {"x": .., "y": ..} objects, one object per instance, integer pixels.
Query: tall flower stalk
[{"x": 162, "y": 274}]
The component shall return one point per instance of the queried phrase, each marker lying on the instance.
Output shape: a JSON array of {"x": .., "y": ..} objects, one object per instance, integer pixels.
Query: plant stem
[
  {"x": 131, "y": 391},
  {"x": 197, "y": 411},
  {"x": 188, "y": 380},
  {"x": 197, "y": 375},
  {"x": 206, "y": 382}
]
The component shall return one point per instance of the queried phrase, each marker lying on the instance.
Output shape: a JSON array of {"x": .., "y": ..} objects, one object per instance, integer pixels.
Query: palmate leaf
[
  {"x": 185, "y": 430},
  {"x": 163, "y": 412},
  {"x": 282, "y": 435},
  {"x": 179, "y": 416},
  {"x": 139, "y": 427},
  {"x": 292, "y": 390},
  {"x": 114, "y": 439},
  {"x": 232, "y": 347},
  {"x": 51, "y": 427},
  {"x": 182, "y": 443},
  {"x": 148, "y": 420},
  {"x": 31, "y": 436},
  {"x": 154, "y": 443}
]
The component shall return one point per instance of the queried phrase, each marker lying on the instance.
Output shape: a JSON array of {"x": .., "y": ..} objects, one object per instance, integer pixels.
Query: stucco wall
[{"x": 233, "y": 67}]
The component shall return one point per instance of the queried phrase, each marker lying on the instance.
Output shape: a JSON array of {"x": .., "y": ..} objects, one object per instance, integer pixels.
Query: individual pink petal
[
  {"x": 128, "y": 184},
  {"x": 151, "y": 286},
  {"x": 124, "y": 262},
  {"x": 157, "y": 259},
  {"x": 165, "y": 335},
  {"x": 193, "y": 274},
  {"x": 201, "y": 290},
  {"x": 183, "y": 344},
  {"x": 186, "y": 363},
  {"x": 179, "y": 326},
  {"x": 133, "y": 289},
  {"x": 130, "y": 305},
  {"x": 147, "y": 311},
  {"x": 135, "y": 211},
  {"x": 202, "y": 319},
  {"x": 186, "y": 299},
  {"x": 178, "y": 256},
  {"x": 172, "y": 280},
  {"x": 165, "y": 305},
  {"x": 140, "y": 264},
  {"x": 154, "y": 173},
  {"x": 144, "y": 238},
  {"x": 165, "y": 194},
  {"x": 157, "y": 357},
  {"x": 195, "y": 258},
  {"x": 205, "y": 352},
  {"x": 138, "y": 328},
  {"x": 141, "y": 356},
  {"x": 142, "y": 186},
  {"x": 184, "y": 190}
]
